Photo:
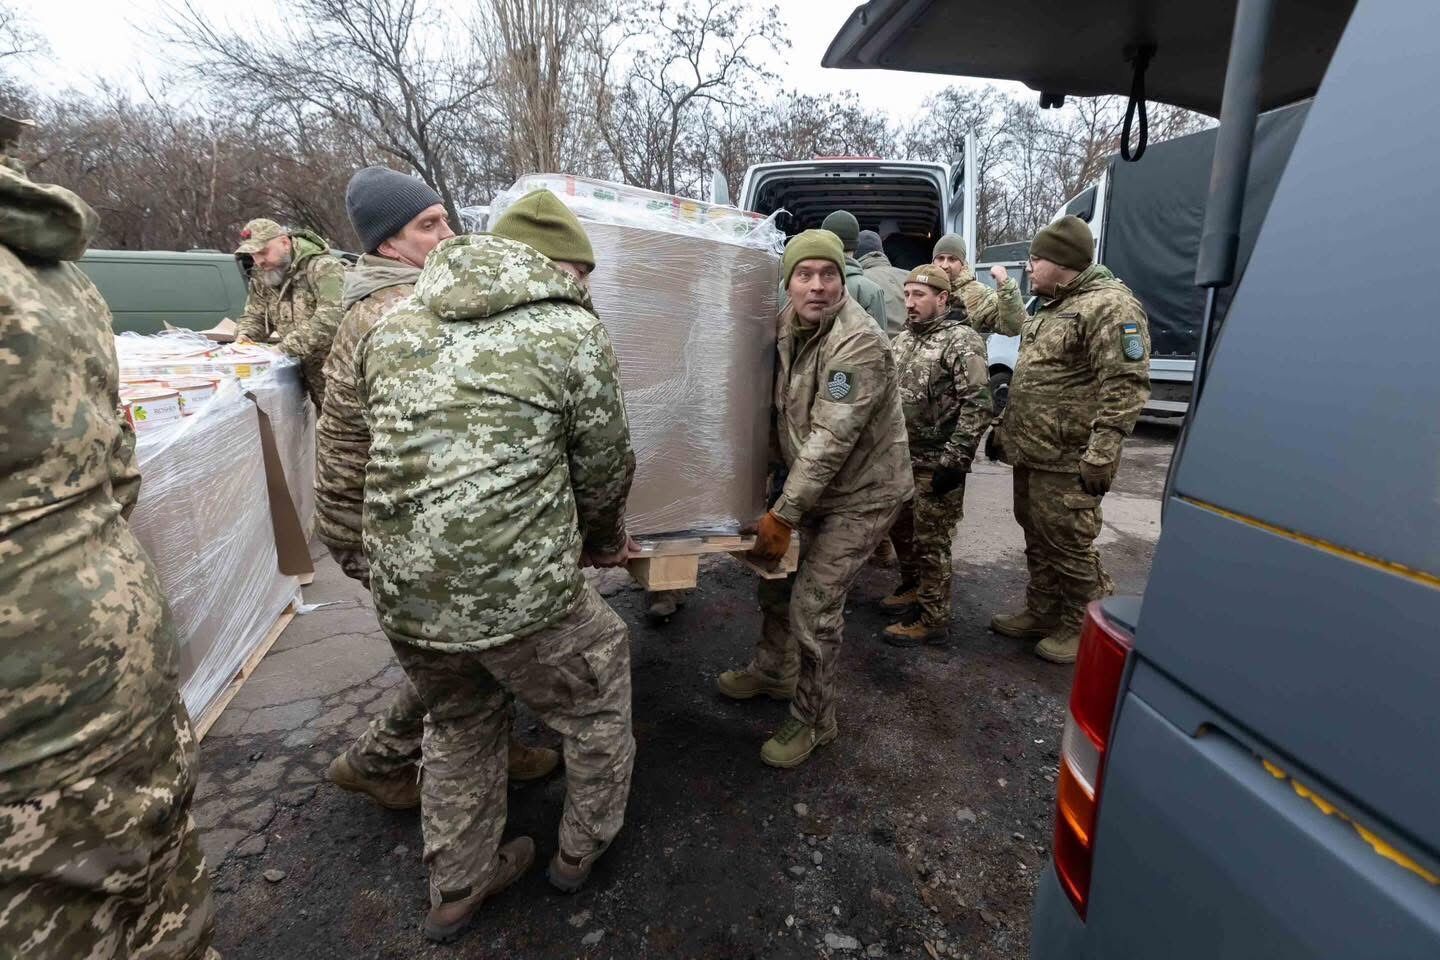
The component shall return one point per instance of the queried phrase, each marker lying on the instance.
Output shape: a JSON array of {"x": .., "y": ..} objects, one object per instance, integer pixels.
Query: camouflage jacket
[
  {"x": 990, "y": 311},
  {"x": 945, "y": 390},
  {"x": 1082, "y": 378},
  {"x": 342, "y": 440},
  {"x": 499, "y": 446},
  {"x": 88, "y": 655},
  {"x": 303, "y": 311},
  {"x": 865, "y": 291},
  {"x": 838, "y": 418},
  {"x": 891, "y": 281}
]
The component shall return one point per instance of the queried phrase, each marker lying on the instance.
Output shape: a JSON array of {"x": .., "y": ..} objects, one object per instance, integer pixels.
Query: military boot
[
  {"x": 393, "y": 793},
  {"x": 750, "y": 683},
  {"x": 568, "y": 874},
  {"x": 1025, "y": 625},
  {"x": 904, "y": 597},
  {"x": 530, "y": 763},
  {"x": 794, "y": 742},
  {"x": 914, "y": 634},
  {"x": 885, "y": 556},
  {"x": 1062, "y": 646},
  {"x": 448, "y": 920}
]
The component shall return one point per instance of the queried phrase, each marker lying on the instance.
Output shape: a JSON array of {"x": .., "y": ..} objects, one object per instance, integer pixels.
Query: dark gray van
[
  {"x": 1249, "y": 764},
  {"x": 146, "y": 289}
]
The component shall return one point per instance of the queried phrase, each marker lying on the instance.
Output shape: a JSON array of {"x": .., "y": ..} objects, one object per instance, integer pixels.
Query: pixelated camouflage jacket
[
  {"x": 304, "y": 311},
  {"x": 1082, "y": 378},
  {"x": 989, "y": 311},
  {"x": 944, "y": 388},
  {"x": 342, "y": 440},
  {"x": 88, "y": 656},
  {"x": 891, "y": 281},
  {"x": 837, "y": 417},
  {"x": 499, "y": 446}
]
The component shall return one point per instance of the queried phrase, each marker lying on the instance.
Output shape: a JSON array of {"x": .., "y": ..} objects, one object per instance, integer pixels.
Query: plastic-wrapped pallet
[{"x": 687, "y": 291}]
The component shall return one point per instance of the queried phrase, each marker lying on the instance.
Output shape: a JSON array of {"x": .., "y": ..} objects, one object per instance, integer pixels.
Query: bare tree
[{"x": 386, "y": 71}]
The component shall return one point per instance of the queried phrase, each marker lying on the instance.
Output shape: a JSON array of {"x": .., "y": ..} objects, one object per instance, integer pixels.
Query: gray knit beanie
[
  {"x": 380, "y": 201},
  {"x": 869, "y": 243}
]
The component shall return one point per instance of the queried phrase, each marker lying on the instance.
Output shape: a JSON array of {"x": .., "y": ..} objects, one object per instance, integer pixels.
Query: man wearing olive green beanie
[
  {"x": 1082, "y": 378},
  {"x": 841, "y": 435},
  {"x": 541, "y": 221},
  {"x": 865, "y": 291},
  {"x": 986, "y": 311}
]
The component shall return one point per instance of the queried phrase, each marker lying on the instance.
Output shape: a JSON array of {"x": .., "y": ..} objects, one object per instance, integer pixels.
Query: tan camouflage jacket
[
  {"x": 991, "y": 311},
  {"x": 1082, "y": 378},
  {"x": 945, "y": 390},
  {"x": 499, "y": 446},
  {"x": 891, "y": 281},
  {"x": 304, "y": 311},
  {"x": 838, "y": 418},
  {"x": 88, "y": 655},
  {"x": 342, "y": 440}
]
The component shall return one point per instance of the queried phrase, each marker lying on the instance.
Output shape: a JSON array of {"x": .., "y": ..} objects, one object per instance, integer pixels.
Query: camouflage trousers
[
  {"x": 1061, "y": 522},
  {"x": 803, "y": 616},
  {"x": 390, "y": 746},
  {"x": 575, "y": 676},
  {"x": 924, "y": 535},
  {"x": 110, "y": 865}
]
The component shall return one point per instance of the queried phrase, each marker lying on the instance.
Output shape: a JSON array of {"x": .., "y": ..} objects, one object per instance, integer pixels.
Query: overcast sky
[{"x": 92, "y": 40}]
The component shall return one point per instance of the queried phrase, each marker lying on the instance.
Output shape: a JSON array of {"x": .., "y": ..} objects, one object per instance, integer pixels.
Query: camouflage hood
[
  {"x": 43, "y": 221},
  {"x": 479, "y": 277},
  {"x": 306, "y": 244}
]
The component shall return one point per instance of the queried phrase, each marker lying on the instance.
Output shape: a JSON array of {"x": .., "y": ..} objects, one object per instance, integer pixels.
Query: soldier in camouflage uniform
[
  {"x": 99, "y": 857},
  {"x": 841, "y": 434},
  {"x": 399, "y": 220},
  {"x": 870, "y": 254},
  {"x": 500, "y": 460},
  {"x": 988, "y": 311},
  {"x": 1082, "y": 378},
  {"x": 945, "y": 389},
  {"x": 296, "y": 288}
]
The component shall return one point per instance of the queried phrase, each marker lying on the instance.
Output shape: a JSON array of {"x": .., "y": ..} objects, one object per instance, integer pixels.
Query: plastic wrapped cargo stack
[{"x": 687, "y": 291}]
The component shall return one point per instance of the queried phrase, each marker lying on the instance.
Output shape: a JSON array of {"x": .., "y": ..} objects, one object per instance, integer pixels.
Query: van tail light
[{"x": 1094, "y": 697}]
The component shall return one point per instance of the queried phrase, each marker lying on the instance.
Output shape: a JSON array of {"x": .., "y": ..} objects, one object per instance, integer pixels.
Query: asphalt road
[{"x": 919, "y": 833}]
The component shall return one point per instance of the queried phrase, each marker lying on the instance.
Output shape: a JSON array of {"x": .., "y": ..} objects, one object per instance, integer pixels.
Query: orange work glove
[{"x": 772, "y": 538}]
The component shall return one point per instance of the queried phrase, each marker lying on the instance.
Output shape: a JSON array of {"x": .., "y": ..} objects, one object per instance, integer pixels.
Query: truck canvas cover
[{"x": 1155, "y": 213}]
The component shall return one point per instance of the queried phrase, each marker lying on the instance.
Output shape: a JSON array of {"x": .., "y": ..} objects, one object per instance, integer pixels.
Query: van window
[
  {"x": 158, "y": 288},
  {"x": 1083, "y": 204}
]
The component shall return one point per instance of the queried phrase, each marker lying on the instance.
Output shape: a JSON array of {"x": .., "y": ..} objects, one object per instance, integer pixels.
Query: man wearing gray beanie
[{"x": 399, "y": 220}]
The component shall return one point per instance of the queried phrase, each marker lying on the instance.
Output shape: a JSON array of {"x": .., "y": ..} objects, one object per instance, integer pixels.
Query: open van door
[{"x": 962, "y": 216}]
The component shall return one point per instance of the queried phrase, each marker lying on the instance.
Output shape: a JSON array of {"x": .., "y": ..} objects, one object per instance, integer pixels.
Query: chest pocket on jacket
[{"x": 1054, "y": 337}]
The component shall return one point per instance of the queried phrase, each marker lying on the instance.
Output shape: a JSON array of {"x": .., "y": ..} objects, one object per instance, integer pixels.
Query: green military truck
[{"x": 146, "y": 289}]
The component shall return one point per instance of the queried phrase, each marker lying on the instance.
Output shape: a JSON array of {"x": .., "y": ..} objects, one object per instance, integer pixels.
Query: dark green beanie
[
  {"x": 540, "y": 220},
  {"x": 843, "y": 224},
  {"x": 1067, "y": 241},
  {"x": 953, "y": 244},
  {"x": 813, "y": 245}
]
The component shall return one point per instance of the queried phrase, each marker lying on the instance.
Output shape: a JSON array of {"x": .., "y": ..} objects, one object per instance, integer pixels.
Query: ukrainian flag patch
[{"x": 1130, "y": 342}]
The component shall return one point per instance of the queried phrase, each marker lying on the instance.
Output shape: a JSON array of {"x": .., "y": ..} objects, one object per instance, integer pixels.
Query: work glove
[
  {"x": 994, "y": 452},
  {"x": 772, "y": 538},
  {"x": 945, "y": 480},
  {"x": 1095, "y": 479}
]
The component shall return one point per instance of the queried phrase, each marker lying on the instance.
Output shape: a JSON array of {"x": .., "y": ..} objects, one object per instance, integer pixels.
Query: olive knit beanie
[
  {"x": 813, "y": 245},
  {"x": 542, "y": 221},
  {"x": 1067, "y": 241}
]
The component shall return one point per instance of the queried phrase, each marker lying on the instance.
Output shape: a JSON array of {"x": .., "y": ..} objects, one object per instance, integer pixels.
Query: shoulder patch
[
  {"x": 1130, "y": 343},
  {"x": 840, "y": 384}
]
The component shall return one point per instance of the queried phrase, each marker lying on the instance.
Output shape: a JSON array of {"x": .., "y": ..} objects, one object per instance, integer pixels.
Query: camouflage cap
[
  {"x": 257, "y": 233},
  {"x": 931, "y": 276},
  {"x": 12, "y": 129}
]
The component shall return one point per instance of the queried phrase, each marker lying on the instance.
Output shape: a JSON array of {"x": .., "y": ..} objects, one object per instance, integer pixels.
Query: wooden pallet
[
  {"x": 675, "y": 564},
  {"x": 212, "y": 712}
]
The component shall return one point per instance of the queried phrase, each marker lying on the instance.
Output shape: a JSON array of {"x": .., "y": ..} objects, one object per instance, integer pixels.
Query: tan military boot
[
  {"x": 397, "y": 793},
  {"x": 902, "y": 599},
  {"x": 568, "y": 874},
  {"x": 1062, "y": 646},
  {"x": 531, "y": 763},
  {"x": 914, "y": 634},
  {"x": 1025, "y": 625},
  {"x": 794, "y": 742},
  {"x": 448, "y": 920},
  {"x": 884, "y": 555},
  {"x": 750, "y": 683}
]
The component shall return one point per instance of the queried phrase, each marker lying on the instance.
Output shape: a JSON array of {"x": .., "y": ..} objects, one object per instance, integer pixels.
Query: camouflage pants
[
  {"x": 1061, "y": 522},
  {"x": 924, "y": 534},
  {"x": 110, "y": 866},
  {"x": 803, "y": 616},
  {"x": 575, "y": 675},
  {"x": 390, "y": 746}
]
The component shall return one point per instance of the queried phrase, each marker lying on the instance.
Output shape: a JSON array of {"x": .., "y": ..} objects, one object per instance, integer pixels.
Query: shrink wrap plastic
[
  {"x": 204, "y": 512},
  {"x": 687, "y": 292}
]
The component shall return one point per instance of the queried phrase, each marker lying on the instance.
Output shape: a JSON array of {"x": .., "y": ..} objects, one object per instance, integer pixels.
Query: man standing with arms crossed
[{"x": 841, "y": 434}]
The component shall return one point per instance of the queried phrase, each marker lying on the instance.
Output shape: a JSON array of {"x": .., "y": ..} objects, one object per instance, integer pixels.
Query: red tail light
[{"x": 1094, "y": 697}]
